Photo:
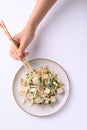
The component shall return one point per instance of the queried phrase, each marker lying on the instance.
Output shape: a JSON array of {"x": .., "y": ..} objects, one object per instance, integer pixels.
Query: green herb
[
  {"x": 27, "y": 76},
  {"x": 40, "y": 79},
  {"x": 56, "y": 81},
  {"x": 48, "y": 72},
  {"x": 31, "y": 72},
  {"x": 31, "y": 82},
  {"x": 21, "y": 81},
  {"x": 34, "y": 70},
  {"x": 40, "y": 103},
  {"x": 49, "y": 102},
  {"x": 51, "y": 82},
  {"x": 44, "y": 84},
  {"x": 53, "y": 79}
]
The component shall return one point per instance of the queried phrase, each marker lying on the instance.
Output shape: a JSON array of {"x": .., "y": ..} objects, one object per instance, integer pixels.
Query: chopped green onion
[
  {"x": 40, "y": 79},
  {"x": 21, "y": 81}
]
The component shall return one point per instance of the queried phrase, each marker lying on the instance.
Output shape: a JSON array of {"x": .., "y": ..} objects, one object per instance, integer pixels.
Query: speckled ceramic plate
[{"x": 36, "y": 110}]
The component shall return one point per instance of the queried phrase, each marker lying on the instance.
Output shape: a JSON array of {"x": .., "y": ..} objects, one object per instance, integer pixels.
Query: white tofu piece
[
  {"x": 46, "y": 100},
  {"x": 38, "y": 100},
  {"x": 32, "y": 89},
  {"x": 60, "y": 90},
  {"x": 47, "y": 91},
  {"x": 55, "y": 83},
  {"x": 35, "y": 80},
  {"x": 45, "y": 76},
  {"x": 53, "y": 99}
]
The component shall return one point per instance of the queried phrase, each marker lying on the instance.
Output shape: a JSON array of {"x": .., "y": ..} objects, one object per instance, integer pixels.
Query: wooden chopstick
[{"x": 25, "y": 62}]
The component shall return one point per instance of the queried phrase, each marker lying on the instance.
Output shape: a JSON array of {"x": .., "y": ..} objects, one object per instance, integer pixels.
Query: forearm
[
  {"x": 40, "y": 10},
  {"x": 24, "y": 38}
]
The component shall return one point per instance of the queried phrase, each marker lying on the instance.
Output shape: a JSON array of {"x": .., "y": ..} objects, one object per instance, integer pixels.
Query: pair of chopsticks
[{"x": 25, "y": 62}]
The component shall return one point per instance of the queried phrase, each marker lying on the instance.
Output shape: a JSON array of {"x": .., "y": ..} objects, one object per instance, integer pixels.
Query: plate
[{"x": 37, "y": 110}]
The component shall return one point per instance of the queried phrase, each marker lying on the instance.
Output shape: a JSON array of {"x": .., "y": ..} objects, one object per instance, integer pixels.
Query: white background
[{"x": 62, "y": 37}]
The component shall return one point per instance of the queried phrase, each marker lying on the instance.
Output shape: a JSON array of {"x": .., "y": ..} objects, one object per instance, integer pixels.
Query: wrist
[{"x": 31, "y": 25}]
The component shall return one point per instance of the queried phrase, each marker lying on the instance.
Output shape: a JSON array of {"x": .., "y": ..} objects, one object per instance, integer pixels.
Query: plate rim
[{"x": 67, "y": 94}]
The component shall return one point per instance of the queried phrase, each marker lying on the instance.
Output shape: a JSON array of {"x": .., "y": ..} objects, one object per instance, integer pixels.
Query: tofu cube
[
  {"x": 45, "y": 76},
  {"x": 60, "y": 90},
  {"x": 53, "y": 99}
]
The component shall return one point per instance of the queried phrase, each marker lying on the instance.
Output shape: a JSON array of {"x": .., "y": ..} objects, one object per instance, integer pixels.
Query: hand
[{"x": 22, "y": 40}]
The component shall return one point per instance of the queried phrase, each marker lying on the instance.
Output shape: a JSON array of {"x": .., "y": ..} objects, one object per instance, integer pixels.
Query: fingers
[
  {"x": 22, "y": 41},
  {"x": 14, "y": 54},
  {"x": 21, "y": 49}
]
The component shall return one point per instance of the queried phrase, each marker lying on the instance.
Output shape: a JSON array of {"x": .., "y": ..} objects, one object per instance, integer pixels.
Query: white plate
[{"x": 35, "y": 109}]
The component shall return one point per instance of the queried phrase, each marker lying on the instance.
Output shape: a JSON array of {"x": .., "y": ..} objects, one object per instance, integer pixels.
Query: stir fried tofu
[{"x": 41, "y": 87}]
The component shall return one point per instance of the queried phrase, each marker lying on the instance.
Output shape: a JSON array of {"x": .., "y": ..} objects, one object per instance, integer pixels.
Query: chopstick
[{"x": 25, "y": 62}]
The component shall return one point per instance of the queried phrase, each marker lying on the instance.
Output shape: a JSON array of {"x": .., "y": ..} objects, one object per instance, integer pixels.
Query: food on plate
[{"x": 41, "y": 86}]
